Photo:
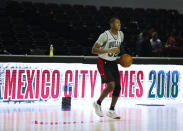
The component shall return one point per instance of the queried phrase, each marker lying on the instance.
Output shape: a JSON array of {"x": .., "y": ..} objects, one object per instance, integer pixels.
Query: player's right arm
[{"x": 96, "y": 49}]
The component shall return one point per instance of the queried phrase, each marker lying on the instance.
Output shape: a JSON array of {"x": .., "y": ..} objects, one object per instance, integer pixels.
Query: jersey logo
[{"x": 114, "y": 44}]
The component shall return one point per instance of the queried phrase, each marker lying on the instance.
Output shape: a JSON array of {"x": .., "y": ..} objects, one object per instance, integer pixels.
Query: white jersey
[{"x": 107, "y": 40}]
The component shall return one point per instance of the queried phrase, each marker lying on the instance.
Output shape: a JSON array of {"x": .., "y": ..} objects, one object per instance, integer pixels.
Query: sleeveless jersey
[{"x": 109, "y": 44}]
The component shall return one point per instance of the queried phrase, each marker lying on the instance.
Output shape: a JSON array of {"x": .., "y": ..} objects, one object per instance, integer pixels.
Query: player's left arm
[{"x": 122, "y": 47}]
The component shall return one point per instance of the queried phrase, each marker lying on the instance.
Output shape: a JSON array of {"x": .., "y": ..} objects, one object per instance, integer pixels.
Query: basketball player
[{"x": 108, "y": 47}]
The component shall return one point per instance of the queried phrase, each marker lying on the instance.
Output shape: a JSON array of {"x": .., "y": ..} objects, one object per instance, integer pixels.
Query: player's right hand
[{"x": 114, "y": 50}]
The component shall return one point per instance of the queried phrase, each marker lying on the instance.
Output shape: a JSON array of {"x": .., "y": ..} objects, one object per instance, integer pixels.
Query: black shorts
[{"x": 108, "y": 70}]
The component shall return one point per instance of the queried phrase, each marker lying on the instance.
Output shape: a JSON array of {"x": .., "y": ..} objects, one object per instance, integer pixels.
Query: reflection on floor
[{"x": 81, "y": 117}]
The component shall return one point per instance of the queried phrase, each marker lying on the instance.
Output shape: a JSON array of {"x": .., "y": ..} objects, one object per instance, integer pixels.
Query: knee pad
[{"x": 117, "y": 90}]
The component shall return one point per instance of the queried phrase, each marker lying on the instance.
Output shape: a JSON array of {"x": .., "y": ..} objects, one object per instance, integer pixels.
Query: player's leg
[
  {"x": 106, "y": 91},
  {"x": 105, "y": 71},
  {"x": 115, "y": 95}
]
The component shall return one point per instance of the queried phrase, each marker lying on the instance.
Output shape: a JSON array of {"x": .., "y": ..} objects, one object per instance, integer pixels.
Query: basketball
[{"x": 126, "y": 60}]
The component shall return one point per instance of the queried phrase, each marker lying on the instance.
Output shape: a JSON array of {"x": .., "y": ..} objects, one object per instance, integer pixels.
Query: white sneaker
[
  {"x": 112, "y": 114},
  {"x": 98, "y": 109}
]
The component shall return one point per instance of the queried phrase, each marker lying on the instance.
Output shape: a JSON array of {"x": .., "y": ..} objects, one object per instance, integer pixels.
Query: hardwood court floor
[{"x": 81, "y": 117}]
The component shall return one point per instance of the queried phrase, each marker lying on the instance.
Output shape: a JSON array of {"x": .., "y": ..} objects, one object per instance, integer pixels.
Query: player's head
[{"x": 115, "y": 24}]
